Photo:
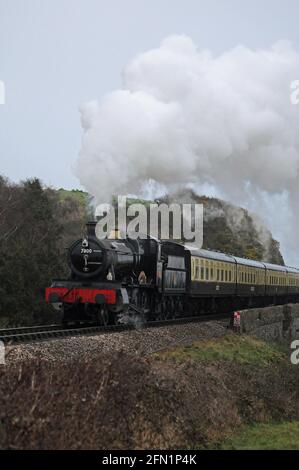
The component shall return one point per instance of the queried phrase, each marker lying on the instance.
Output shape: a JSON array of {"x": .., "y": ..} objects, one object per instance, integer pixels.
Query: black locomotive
[{"x": 157, "y": 279}]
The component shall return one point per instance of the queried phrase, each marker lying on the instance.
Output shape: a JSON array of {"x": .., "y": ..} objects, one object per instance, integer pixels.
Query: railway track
[{"x": 45, "y": 332}]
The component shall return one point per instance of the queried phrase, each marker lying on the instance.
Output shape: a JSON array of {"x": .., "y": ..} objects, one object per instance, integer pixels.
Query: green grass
[
  {"x": 77, "y": 194},
  {"x": 284, "y": 436},
  {"x": 241, "y": 349},
  {"x": 145, "y": 202}
]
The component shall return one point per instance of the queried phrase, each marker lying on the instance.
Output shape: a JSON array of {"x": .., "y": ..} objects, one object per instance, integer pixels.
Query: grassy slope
[
  {"x": 282, "y": 436},
  {"x": 245, "y": 351},
  {"x": 240, "y": 349},
  {"x": 220, "y": 393},
  {"x": 78, "y": 195}
]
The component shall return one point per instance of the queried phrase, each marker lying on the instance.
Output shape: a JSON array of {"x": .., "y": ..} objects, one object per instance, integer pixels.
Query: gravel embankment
[{"x": 137, "y": 342}]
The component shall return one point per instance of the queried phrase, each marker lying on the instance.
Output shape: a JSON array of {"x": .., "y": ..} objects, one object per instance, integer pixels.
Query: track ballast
[{"x": 45, "y": 332}]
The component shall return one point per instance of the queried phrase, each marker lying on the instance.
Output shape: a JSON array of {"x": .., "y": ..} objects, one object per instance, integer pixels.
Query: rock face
[
  {"x": 227, "y": 228},
  {"x": 232, "y": 229}
]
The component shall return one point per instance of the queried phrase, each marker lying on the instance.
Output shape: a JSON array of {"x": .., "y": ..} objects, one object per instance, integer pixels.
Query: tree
[{"x": 30, "y": 251}]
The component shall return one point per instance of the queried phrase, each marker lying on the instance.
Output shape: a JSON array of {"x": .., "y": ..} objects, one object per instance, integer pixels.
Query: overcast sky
[{"x": 57, "y": 54}]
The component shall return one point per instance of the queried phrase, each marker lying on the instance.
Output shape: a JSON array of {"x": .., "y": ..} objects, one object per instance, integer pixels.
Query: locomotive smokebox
[{"x": 113, "y": 258}]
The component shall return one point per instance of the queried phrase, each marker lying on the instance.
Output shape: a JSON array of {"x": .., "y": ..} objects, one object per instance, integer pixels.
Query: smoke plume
[{"x": 187, "y": 118}]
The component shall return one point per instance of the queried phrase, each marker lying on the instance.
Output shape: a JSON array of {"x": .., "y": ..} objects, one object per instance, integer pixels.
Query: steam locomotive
[{"x": 157, "y": 279}]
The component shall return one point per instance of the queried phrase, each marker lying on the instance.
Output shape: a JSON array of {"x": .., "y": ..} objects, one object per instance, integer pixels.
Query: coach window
[
  {"x": 207, "y": 274},
  {"x": 197, "y": 268}
]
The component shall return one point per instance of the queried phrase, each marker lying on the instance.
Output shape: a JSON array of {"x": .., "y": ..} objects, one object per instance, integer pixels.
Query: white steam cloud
[{"x": 184, "y": 117}]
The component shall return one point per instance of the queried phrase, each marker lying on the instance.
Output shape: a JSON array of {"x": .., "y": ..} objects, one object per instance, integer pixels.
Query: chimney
[{"x": 91, "y": 227}]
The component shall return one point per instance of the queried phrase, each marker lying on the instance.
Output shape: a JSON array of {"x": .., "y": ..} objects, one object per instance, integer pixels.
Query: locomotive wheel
[
  {"x": 171, "y": 307},
  {"x": 143, "y": 301},
  {"x": 103, "y": 316},
  {"x": 165, "y": 308},
  {"x": 180, "y": 308},
  {"x": 158, "y": 308}
]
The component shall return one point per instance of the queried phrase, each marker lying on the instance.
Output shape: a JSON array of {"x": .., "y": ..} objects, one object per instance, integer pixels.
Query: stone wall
[{"x": 276, "y": 322}]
